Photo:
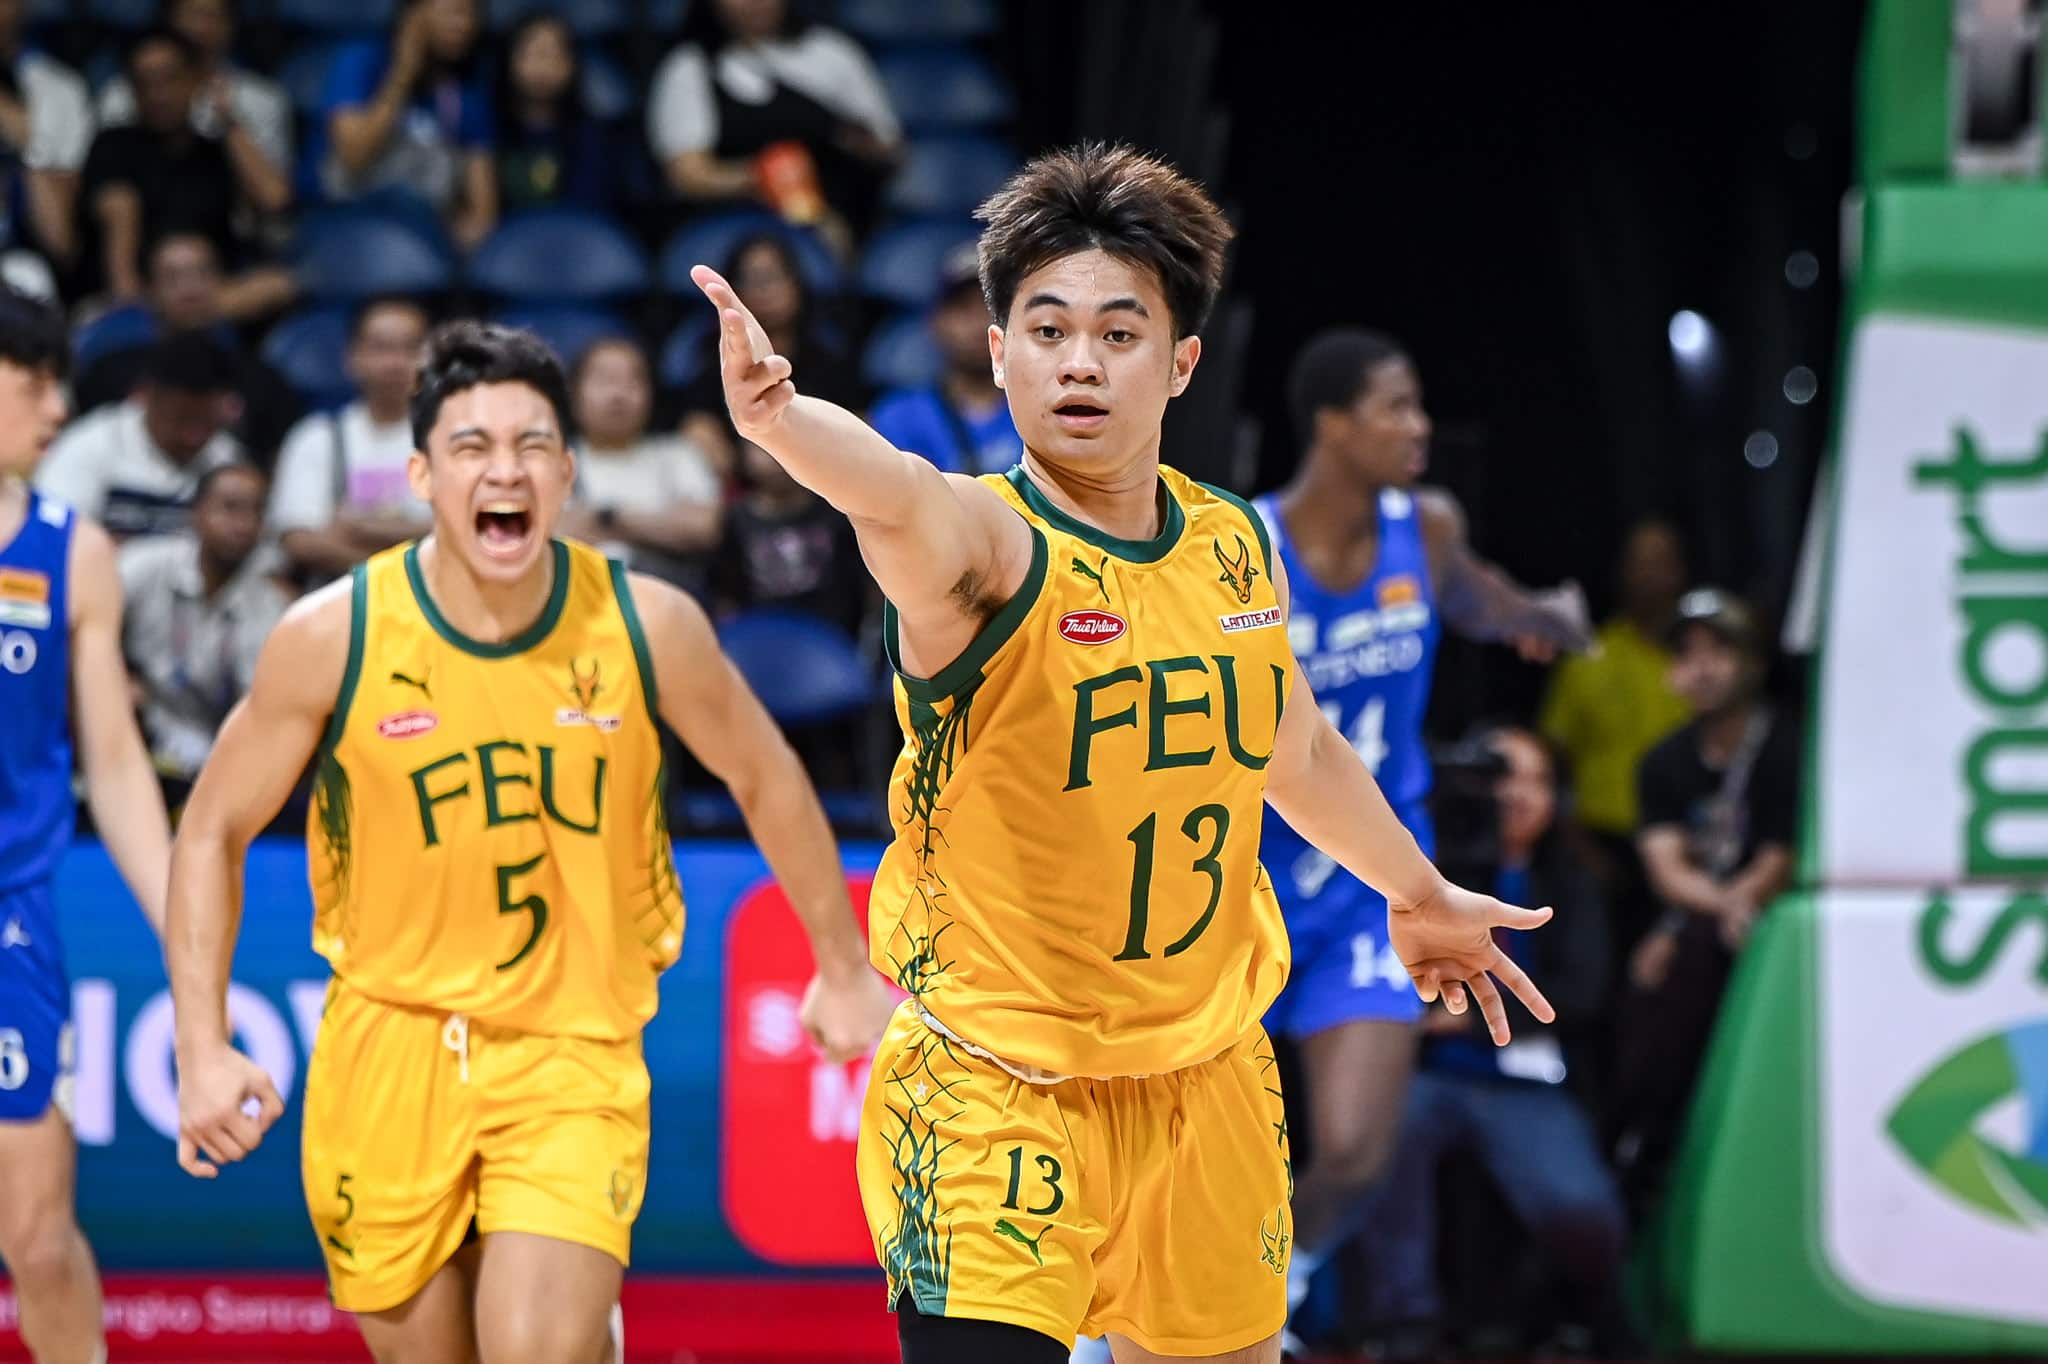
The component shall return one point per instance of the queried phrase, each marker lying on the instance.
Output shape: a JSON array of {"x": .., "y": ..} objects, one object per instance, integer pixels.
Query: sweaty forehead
[
  {"x": 1086, "y": 280},
  {"x": 500, "y": 411}
]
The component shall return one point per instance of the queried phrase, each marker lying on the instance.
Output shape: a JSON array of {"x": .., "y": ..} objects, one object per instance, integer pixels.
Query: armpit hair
[{"x": 970, "y": 593}]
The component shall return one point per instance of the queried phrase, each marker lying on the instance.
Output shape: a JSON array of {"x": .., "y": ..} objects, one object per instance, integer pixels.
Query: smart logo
[{"x": 1977, "y": 1124}]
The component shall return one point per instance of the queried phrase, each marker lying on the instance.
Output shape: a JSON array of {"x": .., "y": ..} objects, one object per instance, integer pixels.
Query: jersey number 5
[
  {"x": 1142, "y": 839},
  {"x": 532, "y": 904}
]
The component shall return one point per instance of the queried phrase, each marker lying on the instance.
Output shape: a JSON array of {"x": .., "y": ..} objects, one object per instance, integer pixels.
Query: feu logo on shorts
[
  {"x": 1274, "y": 1241},
  {"x": 622, "y": 1193}
]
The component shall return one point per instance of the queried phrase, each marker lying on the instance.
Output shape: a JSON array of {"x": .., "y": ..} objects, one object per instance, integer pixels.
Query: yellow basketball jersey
[
  {"x": 487, "y": 834},
  {"x": 1074, "y": 884}
]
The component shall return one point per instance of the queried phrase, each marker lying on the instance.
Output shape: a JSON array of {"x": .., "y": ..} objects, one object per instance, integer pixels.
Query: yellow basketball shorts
[
  {"x": 418, "y": 1123},
  {"x": 1156, "y": 1207}
]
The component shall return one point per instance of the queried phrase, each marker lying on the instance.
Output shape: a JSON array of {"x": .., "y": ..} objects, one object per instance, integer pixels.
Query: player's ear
[
  {"x": 995, "y": 352},
  {"x": 418, "y": 477},
  {"x": 1186, "y": 352}
]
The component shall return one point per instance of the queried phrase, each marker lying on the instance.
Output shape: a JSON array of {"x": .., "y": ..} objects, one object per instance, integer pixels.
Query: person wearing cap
[
  {"x": 962, "y": 422},
  {"x": 1719, "y": 802}
]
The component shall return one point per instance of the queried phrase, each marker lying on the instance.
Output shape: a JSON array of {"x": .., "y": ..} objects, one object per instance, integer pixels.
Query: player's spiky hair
[
  {"x": 463, "y": 355},
  {"x": 1119, "y": 200}
]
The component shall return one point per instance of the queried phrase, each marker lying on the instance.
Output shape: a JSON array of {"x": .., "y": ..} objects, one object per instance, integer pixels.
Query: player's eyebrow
[
  {"x": 1045, "y": 301},
  {"x": 1124, "y": 305}
]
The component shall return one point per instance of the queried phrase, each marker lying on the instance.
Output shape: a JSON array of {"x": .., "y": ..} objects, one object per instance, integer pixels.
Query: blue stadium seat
[
  {"x": 561, "y": 255},
  {"x": 308, "y": 350},
  {"x": 711, "y": 241},
  {"x": 353, "y": 251},
  {"x": 687, "y": 351},
  {"x": 901, "y": 263},
  {"x": 900, "y": 21},
  {"x": 304, "y": 74},
  {"x": 586, "y": 18},
  {"x": 804, "y": 669},
  {"x": 337, "y": 16},
  {"x": 902, "y": 354},
  {"x": 568, "y": 329},
  {"x": 118, "y": 329},
  {"x": 949, "y": 174},
  {"x": 121, "y": 13},
  {"x": 943, "y": 88}
]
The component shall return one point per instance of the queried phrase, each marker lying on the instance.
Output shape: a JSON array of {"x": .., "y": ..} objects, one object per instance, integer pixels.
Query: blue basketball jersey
[
  {"x": 35, "y": 694},
  {"x": 1368, "y": 653}
]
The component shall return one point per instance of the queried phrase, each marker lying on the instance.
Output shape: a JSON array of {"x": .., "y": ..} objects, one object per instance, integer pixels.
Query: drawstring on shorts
[{"x": 455, "y": 1037}]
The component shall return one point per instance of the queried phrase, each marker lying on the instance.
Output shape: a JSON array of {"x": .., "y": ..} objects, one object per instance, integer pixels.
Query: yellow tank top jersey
[
  {"x": 487, "y": 831},
  {"x": 1074, "y": 883}
]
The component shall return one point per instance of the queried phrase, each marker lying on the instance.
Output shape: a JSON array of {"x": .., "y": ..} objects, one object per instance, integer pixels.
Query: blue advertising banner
[{"x": 142, "y": 1212}]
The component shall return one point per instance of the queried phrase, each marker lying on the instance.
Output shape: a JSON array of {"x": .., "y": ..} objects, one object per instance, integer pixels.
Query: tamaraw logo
[{"x": 1237, "y": 573}]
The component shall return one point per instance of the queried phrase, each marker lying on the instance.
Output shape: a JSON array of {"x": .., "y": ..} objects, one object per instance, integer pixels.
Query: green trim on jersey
[
  {"x": 964, "y": 671},
  {"x": 533, "y": 634},
  {"x": 1132, "y": 551},
  {"x": 1251, "y": 515},
  {"x": 643, "y": 657}
]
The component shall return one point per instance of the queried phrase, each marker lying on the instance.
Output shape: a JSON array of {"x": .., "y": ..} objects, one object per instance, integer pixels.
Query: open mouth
[
  {"x": 1077, "y": 415},
  {"x": 503, "y": 528}
]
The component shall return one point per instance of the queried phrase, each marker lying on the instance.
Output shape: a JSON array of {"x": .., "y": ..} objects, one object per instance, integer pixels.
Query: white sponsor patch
[
  {"x": 569, "y": 715},
  {"x": 1249, "y": 620}
]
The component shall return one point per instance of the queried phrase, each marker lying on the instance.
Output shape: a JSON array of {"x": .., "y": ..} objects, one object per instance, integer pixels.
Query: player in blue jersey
[
  {"x": 60, "y": 664},
  {"x": 1379, "y": 567}
]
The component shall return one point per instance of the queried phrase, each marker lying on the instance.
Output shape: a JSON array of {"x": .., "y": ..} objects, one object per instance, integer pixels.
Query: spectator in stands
[
  {"x": 341, "y": 489},
  {"x": 414, "y": 117},
  {"x": 754, "y": 77},
  {"x": 45, "y": 130},
  {"x": 764, "y": 271},
  {"x": 1719, "y": 801},
  {"x": 962, "y": 422},
  {"x": 1509, "y": 1108},
  {"x": 549, "y": 149},
  {"x": 785, "y": 547},
  {"x": 652, "y": 502},
  {"x": 229, "y": 96},
  {"x": 135, "y": 466},
  {"x": 197, "y": 608},
  {"x": 1606, "y": 708},
  {"x": 160, "y": 175},
  {"x": 187, "y": 293}
]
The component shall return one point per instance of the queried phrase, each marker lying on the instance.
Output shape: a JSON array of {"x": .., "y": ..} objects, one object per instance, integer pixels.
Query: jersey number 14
[{"x": 1367, "y": 733}]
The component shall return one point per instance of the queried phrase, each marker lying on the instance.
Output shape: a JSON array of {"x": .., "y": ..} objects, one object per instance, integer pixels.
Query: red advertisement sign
[{"x": 791, "y": 1116}]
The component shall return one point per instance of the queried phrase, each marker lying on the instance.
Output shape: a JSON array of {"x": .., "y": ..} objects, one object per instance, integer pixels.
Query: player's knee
[
  {"x": 39, "y": 1243},
  {"x": 538, "y": 1331}
]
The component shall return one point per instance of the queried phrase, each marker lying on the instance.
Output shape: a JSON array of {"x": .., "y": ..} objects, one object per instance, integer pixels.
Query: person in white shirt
[
  {"x": 229, "y": 96},
  {"x": 651, "y": 501},
  {"x": 135, "y": 466},
  {"x": 46, "y": 126},
  {"x": 341, "y": 493},
  {"x": 751, "y": 74},
  {"x": 198, "y": 607}
]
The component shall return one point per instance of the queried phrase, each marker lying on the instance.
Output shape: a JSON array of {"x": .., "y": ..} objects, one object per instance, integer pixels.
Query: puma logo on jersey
[
  {"x": 1005, "y": 1227},
  {"x": 420, "y": 682},
  {"x": 1080, "y": 566},
  {"x": 1238, "y": 573}
]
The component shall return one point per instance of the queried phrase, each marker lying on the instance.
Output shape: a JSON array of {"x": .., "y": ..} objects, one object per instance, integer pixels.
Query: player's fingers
[
  {"x": 189, "y": 1161},
  {"x": 1454, "y": 997},
  {"x": 1489, "y": 1004},
  {"x": 1518, "y": 982},
  {"x": 714, "y": 286},
  {"x": 1427, "y": 983},
  {"x": 220, "y": 1144},
  {"x": 270, "y": 1102},
  {"x": 1505, "y": 915}
]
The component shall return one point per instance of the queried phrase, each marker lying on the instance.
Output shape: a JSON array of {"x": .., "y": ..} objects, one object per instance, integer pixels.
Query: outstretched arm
[
  {"x": 262, "y": 748},
  {"x": 711, "y": 708},
  {"x": 1443, "y": 932},
  {"x": 1479, "y": 599},
  {"x": 946, "y": 550},
  {"x": 120, "y": 782}
]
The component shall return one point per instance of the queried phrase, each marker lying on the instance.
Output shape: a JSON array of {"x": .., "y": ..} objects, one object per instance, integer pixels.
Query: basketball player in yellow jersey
[
  {"x": 492, "y": 883},
  {"x": 1074, "y": 1123}
]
